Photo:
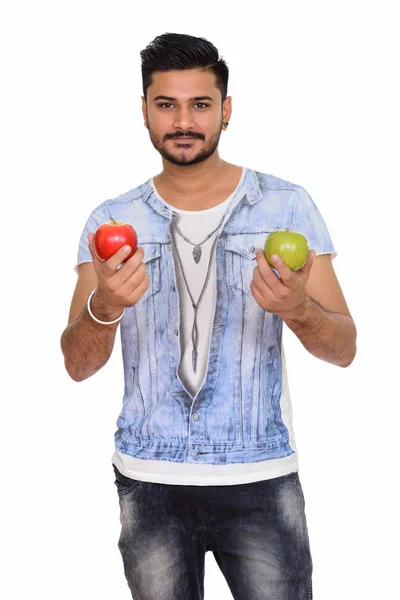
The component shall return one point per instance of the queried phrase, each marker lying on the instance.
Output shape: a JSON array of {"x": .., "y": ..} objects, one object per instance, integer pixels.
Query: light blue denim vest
[{"x": 236, "y": 416}]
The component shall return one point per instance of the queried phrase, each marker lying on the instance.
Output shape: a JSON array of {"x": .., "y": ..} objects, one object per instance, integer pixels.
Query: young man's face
[{"x": 184, "y": 115}]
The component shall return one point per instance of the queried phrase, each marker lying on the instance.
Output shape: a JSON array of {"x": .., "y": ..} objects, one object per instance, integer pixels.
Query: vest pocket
[
  {"x": 241, "y": 258},
  {"x": 152, "y": 257}
]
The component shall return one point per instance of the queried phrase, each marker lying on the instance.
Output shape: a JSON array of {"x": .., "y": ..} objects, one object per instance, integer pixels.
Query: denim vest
[{"x": 236, "y": 415}]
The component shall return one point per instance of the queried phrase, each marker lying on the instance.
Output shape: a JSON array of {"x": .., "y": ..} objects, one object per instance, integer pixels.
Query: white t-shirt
[{"x": 196, "y": 225}]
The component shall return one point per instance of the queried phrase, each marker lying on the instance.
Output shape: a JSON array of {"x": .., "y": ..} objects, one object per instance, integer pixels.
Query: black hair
[{"x": 178, "y": 51}]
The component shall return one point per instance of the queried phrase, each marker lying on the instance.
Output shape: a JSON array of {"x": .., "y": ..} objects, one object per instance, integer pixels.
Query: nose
[{"x": 183, "y": 119}]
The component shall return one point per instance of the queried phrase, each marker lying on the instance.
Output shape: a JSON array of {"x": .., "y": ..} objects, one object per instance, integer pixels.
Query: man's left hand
[{"x": 284, "y": 296}]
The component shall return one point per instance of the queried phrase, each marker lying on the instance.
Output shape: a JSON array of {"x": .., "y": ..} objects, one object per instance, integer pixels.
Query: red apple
[{"x": 111, "y": 236}]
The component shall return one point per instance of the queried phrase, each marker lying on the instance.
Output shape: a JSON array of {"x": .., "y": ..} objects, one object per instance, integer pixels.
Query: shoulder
[
  {"x": 282, "y": 192},
  {"x": 267, "y": 181},
  {"x": 131, "y": 207},
  {"x": 134, "y": 195}
]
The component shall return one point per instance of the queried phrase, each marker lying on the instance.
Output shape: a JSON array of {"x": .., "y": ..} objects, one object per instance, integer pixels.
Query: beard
[{"x": 181, "y": 157}]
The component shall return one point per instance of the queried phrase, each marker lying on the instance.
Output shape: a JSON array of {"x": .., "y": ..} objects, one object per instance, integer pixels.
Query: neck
[
  {"x": 192, "y": 178},
  {"x": 198, "y": 186}
]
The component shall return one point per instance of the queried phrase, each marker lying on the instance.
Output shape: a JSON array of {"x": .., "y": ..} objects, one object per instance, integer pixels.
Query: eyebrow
[{"x": 194, "y": 99}]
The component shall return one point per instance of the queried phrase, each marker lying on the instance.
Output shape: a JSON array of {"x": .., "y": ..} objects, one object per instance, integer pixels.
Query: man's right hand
[{"x": 119, "y": 288}]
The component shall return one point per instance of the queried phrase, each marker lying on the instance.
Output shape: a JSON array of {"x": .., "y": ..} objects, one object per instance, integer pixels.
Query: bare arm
[
  {"x": 327, "y": 335},
  {"x": 311, "y": 303},
  {"x": 86, "y": 344}
]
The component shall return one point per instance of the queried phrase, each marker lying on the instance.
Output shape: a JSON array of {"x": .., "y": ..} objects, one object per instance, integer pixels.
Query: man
[{"x": 205, "y": 454}]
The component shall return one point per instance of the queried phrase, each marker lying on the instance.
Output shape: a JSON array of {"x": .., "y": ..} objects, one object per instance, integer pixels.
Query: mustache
[{"x": 173, "y": 136}]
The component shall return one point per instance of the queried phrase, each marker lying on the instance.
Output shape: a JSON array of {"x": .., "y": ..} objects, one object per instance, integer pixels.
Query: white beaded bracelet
[{"x": 97, "y": 320}]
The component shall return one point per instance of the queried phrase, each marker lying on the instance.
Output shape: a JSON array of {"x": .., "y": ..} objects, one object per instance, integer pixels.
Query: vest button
[
  {"x": 195, "y": 416},
  {"x": 193, "y": 453}
]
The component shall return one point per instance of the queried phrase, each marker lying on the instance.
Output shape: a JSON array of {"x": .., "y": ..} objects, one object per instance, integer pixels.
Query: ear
[
  {"x": 227, "y": 109},
  {"x": 144, "y": 111}
]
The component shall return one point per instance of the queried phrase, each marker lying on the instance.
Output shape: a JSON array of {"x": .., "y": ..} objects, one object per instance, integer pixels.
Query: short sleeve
[
  {"x": 96, "y": 218},
  {"x": 307, "y": 219}
]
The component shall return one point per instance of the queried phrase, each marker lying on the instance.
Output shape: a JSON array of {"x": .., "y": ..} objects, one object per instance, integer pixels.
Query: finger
[
  {"x": 306, "y": 268},
  {"x": 259, "y": 281},
  {"x": 136, "y": 278},
  {"x": 110, "y": 266},
  {"x": 270, "y": 278},
  {"x": 257, "y": 295},
  {"x": 286, "y": 274},
  {"x": 140, "y": 290},
  {"x": 126, "y": 271}
]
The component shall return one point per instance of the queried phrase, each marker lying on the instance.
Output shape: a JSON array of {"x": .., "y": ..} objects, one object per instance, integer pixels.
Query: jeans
[{"x": 256, "y": 531}]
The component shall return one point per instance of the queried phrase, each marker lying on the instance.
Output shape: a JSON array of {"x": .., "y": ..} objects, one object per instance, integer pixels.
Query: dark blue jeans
[{"x": 256, "y": 531}]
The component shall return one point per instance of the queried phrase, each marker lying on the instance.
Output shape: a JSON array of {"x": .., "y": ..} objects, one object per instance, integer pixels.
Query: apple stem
[
  {"x": 114, "y": 222},
  {"x": 287, "y": 228}
]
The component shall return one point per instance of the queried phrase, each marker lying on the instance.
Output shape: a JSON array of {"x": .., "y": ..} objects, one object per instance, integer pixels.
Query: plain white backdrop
[{"x": 315, "y": 101}]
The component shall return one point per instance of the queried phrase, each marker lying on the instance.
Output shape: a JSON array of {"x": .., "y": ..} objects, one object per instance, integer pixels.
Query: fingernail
[
  {"x": 126, "y": 249},
  {"x": 274, "y": 258}
]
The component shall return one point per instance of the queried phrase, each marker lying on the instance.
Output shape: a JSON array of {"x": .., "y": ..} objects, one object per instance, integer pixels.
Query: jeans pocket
[{"x": 123, "y": 483}]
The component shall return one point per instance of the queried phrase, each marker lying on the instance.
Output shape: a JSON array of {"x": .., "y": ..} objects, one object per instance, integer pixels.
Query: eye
[
  {"x": 165, "y": 105},
  {"x": 202, "y": 105}
]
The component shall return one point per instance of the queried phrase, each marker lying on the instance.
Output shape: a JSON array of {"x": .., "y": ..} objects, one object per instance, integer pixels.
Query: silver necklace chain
[
  {"x": 197, "y": 247},
  {"x": 195, "y": 305}
]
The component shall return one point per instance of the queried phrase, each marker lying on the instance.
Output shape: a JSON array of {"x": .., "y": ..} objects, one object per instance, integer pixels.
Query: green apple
[{"x": 291, "y": 246}]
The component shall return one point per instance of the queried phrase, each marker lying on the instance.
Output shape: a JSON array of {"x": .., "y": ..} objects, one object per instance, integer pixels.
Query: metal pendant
[
  {"x": 196, "y": 254},
  {"x": 194, "y": 360}
]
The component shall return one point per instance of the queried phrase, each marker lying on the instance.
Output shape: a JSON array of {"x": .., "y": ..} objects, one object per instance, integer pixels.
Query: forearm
[
  {"x": 326, "y": 335},
  {"x": 86, "y": 344}
]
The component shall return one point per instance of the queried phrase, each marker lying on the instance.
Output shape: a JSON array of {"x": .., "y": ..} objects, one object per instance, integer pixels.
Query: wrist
[
  {"x": 103, "y": 311},
  {"x": 300, "y": 314}
]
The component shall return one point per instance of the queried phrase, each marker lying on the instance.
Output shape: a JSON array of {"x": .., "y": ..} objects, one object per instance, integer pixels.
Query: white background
[{"x": 315, "y": 102}]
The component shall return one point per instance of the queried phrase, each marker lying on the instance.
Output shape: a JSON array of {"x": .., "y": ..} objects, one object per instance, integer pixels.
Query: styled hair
[{"x": 178, "y": 51}]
